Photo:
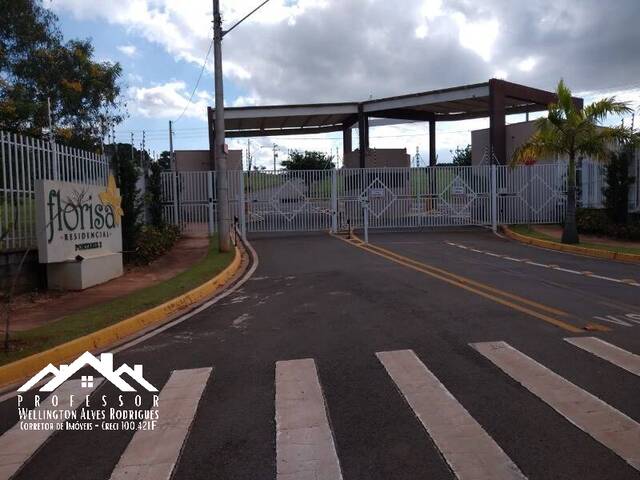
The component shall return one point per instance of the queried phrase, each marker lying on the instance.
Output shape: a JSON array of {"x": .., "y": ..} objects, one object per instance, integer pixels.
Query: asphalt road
[{"x": 319, "y": 297}]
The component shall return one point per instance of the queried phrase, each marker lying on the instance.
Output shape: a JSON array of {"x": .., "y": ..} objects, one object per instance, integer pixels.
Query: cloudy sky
[{"x": 346, "y": 50}]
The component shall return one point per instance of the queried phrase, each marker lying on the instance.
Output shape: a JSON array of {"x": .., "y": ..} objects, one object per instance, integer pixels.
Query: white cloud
[
  {"x": 128, "y": 50},
  {"x": 478, "y": 36},
  {"x": 527, "y": 64},
  {"x": 168, "y": 100},
  {"x": 421, "y": 31}
]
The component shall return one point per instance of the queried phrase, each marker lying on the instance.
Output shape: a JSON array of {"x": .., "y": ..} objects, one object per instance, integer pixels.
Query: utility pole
[
  {"x": 249, "y": 159},
  {"x": 113, "y": 137},
  {"x": 52, "y": 141},
  {"x": 220, "y": 149},
  {"x": 142, "y": 151},
  {"x": 131, "y": 147},
  {"x": 275, "y": 157},
  {"x": 172, "y": 163}
]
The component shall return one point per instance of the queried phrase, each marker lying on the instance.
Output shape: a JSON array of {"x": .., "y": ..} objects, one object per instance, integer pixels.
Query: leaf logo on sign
[{"x": 111, "y": 197}]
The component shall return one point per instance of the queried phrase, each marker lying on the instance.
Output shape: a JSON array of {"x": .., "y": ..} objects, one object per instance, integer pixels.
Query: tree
[
  {"x": 574, "y": 132},
  {"x": 35, "y": 64},
  {"x": 165, "y": 160},
  {"x": 616, "y": 192},
  {"x": 308, "y": 161},
  {"x": 154, "y": 195},
  {"x": 461, "y": 157},
  {"x": 127, "y": 171}
]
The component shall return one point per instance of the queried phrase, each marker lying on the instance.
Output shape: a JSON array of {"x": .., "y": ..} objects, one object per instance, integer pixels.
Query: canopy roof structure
[{"x": 494, "y": 99}]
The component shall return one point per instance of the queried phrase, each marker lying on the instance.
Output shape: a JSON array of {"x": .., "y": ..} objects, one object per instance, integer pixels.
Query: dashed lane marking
[
  {"x": 620, "y": 358},
  {"x": 154, "y": 453},
  {"x": 627, "y": 281},
  {"x": 601, "y": 421},
  {"x": 305, "y": 448},
  {"x": 465, "y": 445},
  {"x": 17, "y": 445}
]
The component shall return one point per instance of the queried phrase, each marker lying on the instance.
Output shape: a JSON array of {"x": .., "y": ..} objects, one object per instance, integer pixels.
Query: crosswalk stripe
[
  {"x": 153, "y": 453},
  {"x": 17, "y": 445},
  {"x": 305, "y": 448},
  {"x": 468, "y": 449},
  {"x": 611, "y": 353},
  {"x": 605, "y": 424}
]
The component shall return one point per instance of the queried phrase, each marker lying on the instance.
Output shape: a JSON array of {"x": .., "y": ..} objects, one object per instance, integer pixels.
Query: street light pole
[{"x": 220, "y": 149}]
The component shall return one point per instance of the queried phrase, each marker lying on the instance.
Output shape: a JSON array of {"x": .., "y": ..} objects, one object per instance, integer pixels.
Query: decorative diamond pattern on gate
[
  {"x": 461, "y": 196},
  {"x": 541, "y": 190},
  {"x": 380, "y": 197},
  {"x": 289, "y": 200}
]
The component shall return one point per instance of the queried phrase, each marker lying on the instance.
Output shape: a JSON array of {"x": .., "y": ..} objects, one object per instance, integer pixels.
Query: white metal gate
[
  {"x": 316, "y": 200},
  {"x": 415, "y": 197},
  {"x": 284, "y": 201}
]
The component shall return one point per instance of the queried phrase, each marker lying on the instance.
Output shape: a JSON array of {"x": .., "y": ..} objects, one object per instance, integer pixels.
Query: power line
[{"x": 204, "y": 64}]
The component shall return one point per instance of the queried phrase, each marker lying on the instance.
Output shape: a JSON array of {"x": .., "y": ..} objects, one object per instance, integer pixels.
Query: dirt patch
[{"x": 37, "y": 308}]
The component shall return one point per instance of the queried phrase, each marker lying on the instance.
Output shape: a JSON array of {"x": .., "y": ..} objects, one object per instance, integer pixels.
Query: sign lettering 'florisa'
[{"x": 77, "y": 219}]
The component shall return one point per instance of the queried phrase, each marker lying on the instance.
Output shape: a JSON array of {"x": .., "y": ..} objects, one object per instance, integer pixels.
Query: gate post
[
  {"x": 494, "y": 199},
  {"x": 242, "y": 206},
  {"x": 176, "y": 210},
  {"x": 334, "y": 201},
  {"x": 211, "y": 220}
]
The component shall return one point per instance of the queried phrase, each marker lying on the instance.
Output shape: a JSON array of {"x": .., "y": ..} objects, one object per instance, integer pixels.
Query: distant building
[
  {"x": 378, "y": 158},
  {"x": 200, "y": 160},
  {"x": 516, "y": 135}
]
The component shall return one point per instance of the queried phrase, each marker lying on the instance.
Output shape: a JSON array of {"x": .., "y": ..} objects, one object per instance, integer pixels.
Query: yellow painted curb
[
  {"x": 28, "y": 366},
  {"x": 589, "y": 252}
]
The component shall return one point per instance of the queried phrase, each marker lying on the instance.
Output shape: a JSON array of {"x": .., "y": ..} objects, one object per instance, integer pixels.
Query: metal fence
[
  {"x": 315, "y": 200},
  {"x": 23, "y": 160}
]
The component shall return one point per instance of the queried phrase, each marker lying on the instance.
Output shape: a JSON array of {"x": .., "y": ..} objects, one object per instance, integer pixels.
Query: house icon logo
[{"x": 104, "y": 366}]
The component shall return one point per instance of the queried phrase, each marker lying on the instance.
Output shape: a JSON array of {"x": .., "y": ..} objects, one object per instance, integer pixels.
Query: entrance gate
[{"x": 317, "y": 200}]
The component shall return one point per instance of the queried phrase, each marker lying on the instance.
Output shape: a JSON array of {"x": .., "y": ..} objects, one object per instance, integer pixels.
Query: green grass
[
  {"x": 100, "y": 316},
  {"x": 524, "y": 230}
]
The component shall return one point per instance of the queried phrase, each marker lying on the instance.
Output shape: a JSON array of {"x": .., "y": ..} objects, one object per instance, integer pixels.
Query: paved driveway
[{"x": 447, "y": 398}]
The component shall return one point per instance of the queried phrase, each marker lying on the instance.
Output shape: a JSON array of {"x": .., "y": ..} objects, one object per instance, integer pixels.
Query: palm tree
[{"x": 574, "y": 132}]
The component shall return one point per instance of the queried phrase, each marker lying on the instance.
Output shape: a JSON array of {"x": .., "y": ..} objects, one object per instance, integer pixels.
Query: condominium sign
[{"x": 77, "y": 220}]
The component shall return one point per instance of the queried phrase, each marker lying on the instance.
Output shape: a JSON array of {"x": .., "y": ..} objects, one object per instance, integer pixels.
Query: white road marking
[
  {"x": 605, "y": 424},
  {"x": 611, "y": 353},
  {"x": 154, "y": 453},
  {"x": 568, "y": 270},
  {"x": 17, "y": 445},
  {"x": 536, "y": 264},
  {"x": 627, "y": 281},
  {"x": 612, "y": 319},
  {"x": 305, "y": 447},
  {"x": 468, "y": 449}
]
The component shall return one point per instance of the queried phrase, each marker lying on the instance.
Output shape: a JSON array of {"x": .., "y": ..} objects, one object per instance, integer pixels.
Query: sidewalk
[
  {"x": 29, "y": 311},
  {"x": 555, "y": 231}
]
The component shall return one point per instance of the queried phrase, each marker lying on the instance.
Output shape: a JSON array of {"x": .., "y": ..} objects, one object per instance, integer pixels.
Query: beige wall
[
  {"x": 198, "y": 160},
  {"x": 517, "y": 134},
  {"x": 379, "y": 157}
]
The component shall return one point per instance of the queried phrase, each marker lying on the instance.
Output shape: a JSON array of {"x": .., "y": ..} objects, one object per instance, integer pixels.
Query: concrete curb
[
  {"x": 589, "y": 252},
  {"x": 116, "y": 333}
]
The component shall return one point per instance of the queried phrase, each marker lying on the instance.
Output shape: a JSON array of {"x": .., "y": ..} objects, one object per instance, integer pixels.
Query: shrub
[
  {"x": 592, "y": 221},
  {"x": 597, "y": 222},
  {"x": 153, "y": 242},
  {"x": 616, "y": 191}
]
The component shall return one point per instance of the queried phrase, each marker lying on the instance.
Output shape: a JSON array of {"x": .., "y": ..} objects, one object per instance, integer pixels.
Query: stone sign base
[{"x": 78, "y": 275}]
